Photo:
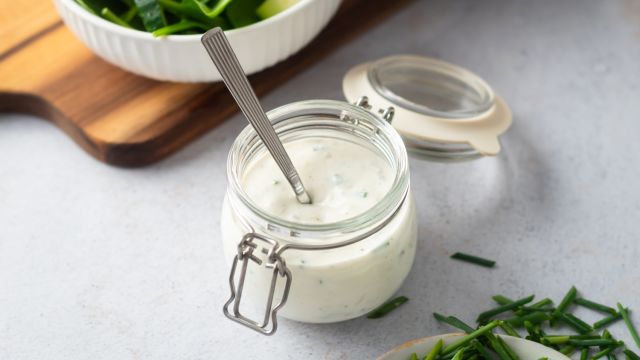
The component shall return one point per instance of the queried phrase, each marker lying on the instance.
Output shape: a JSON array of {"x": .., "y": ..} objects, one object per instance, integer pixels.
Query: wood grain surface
[{"x": 121, "y": 118}]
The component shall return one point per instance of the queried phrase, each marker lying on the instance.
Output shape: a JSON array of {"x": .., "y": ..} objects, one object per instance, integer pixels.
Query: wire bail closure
[{"x": 274, "y": 261}]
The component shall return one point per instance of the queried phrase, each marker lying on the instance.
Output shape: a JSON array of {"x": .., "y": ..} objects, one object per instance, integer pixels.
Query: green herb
[
  {"x": 453, "y": 321},
  {"x": 607, "y": 321},
  {"x": 630, "y": 355},
  {"x": 503, "y": 308},
  {"x": 584, "y": 354},
  {"x": 595, "y": 306},
  {"x": 387, "y": 307},
  {"x": 435, "y": 351},
  {"x": 534, "y": 318},
  {"x": 592, "y": 342},
  {"x": 473, "y": 259},
  {"x": 508, "y": 329},
  {"x": 512, "y": 354},
  {"x": 414, "y": 356},
  {"x": 566, "y": 301},
  {"x": 571, "y": 320},
  {"x": 459, "y": 354},
  {"x": 627, "y": 321},
  {"x": 465, "y": 340}
]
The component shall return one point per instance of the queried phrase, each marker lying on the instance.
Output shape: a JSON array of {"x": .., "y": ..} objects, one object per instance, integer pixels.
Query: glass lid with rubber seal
[{"x": 442, "y": 111}]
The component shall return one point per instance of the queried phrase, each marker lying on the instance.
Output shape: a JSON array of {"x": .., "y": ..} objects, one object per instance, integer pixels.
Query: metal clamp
[
  {"x": 273, "y": 261},
  {"x": 386, "y": 114}
]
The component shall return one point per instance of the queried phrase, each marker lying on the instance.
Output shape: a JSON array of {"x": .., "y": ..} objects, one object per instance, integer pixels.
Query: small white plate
[{"x": 527, "y": 350}]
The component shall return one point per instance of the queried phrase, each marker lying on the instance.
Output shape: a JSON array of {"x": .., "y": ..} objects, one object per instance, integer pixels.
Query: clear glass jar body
[{"x": 347, "y": 281}]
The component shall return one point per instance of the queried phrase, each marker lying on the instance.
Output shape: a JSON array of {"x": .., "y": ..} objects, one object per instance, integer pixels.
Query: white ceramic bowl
[
  {"x": 182, "y": 58},
  {"x": 526, "y": 350}
]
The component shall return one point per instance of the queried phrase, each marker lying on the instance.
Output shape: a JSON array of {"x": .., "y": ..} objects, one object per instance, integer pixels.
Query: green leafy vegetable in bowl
[{"x": 183, "y": 17}]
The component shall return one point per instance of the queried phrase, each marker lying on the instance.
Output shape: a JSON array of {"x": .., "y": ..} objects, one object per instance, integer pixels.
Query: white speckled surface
[{"x": 105, "y": 263}]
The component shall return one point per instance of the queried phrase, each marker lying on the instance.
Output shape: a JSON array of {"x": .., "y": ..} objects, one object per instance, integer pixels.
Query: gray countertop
[{"x": 98, "y": 262}]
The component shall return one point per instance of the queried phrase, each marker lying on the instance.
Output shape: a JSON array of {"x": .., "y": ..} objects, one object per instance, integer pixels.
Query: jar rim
[{"x": 383, "y": 209}]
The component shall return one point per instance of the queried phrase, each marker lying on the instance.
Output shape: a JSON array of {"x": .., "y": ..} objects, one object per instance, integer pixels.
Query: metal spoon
[{"x": 236, "y": 81}]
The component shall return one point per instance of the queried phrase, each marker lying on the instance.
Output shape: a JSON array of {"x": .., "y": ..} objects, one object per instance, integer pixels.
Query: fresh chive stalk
[
  {"x": 503, "y": 308},
  {"x": 607, "y": 321},
  {"x": 453, "y": 321},
  {"x": 387, "y": 307},
  {"x": 595, "y": 306},
  {"x": 566, "y": 301},
  {"x": 534, "y": 318},
  {"x": 508, "y": 329},
  {"x": 576, "y": 323},
  {"x": 465, "y": 340},
  {"x": 435, "y": 351},
  {"x": 501, "y": 300},
  {"x": 630, "y": 355},
  {"x": 592, "y": 342},
  {"x": 627, "y": 321},
  {"x": 480, "y": 349},
  {"x": 512, "y": 354},
  {"x": 473, "y": 259},
  {"x": 557, "y": 340},
  {"x": 584, "y": 354}
]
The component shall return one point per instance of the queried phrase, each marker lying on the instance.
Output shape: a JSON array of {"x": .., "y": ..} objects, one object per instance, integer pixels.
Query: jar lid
[{"x": 441, "y": 110}]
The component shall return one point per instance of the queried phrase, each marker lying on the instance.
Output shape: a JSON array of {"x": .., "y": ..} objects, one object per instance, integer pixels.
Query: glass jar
[{"x": 326, "y": 272}]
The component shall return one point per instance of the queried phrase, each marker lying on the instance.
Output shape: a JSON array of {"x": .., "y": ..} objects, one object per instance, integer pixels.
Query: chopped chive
[
  {"x": 534, "y": 334},
  {"x": 480, "y": 349},
  {"x": 592, "y": 342},
  {"x": 508, "y": 349},
  {"x": 453, "y": 321},
  {"x": 566, "y": 301},
  {"x": 473, "y": 259},
  {"x": 539, "y": 306},
  {"x": 557, "y": 340},
  {"x": 595, "y": 306},
  {"x": 607, "y": 321},
  {"x": 503, "y": 308},
  {"x": 571, "y": 320},
  {"x": 534, "y": 318},
  {"x": 630, "y": 355},
  {"x": 435, "y": 351},
  {"x": 465, "y": 340},
  {"x": 501, "y": 300},
  {"x": 568, "y": 350},
  {"x": 627, "y": 321},
  {"x": 602, "y": 353},
  {"x": 497, "y": 347},
  {"x": 508, "y": 329},
  {"x": 387, "y": 307},
  {"x": 414, "y": 356},
  {"x": 459, "y": 353},
  {"x": 584, "y": 354}
]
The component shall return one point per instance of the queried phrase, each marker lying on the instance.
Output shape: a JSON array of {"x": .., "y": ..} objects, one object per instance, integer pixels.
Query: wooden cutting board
[{"x": 121, "y": 118}]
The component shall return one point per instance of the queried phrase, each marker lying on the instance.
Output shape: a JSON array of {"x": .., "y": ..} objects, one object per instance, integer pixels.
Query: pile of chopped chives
[{"x": 514, "y": 317}]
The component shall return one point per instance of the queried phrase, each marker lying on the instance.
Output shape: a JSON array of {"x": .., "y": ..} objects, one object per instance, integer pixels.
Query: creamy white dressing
[{"x": 345, "y": 180}]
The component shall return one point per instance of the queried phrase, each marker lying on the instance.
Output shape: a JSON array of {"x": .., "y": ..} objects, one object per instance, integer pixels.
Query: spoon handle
[{"x": 236, "y": 81}]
